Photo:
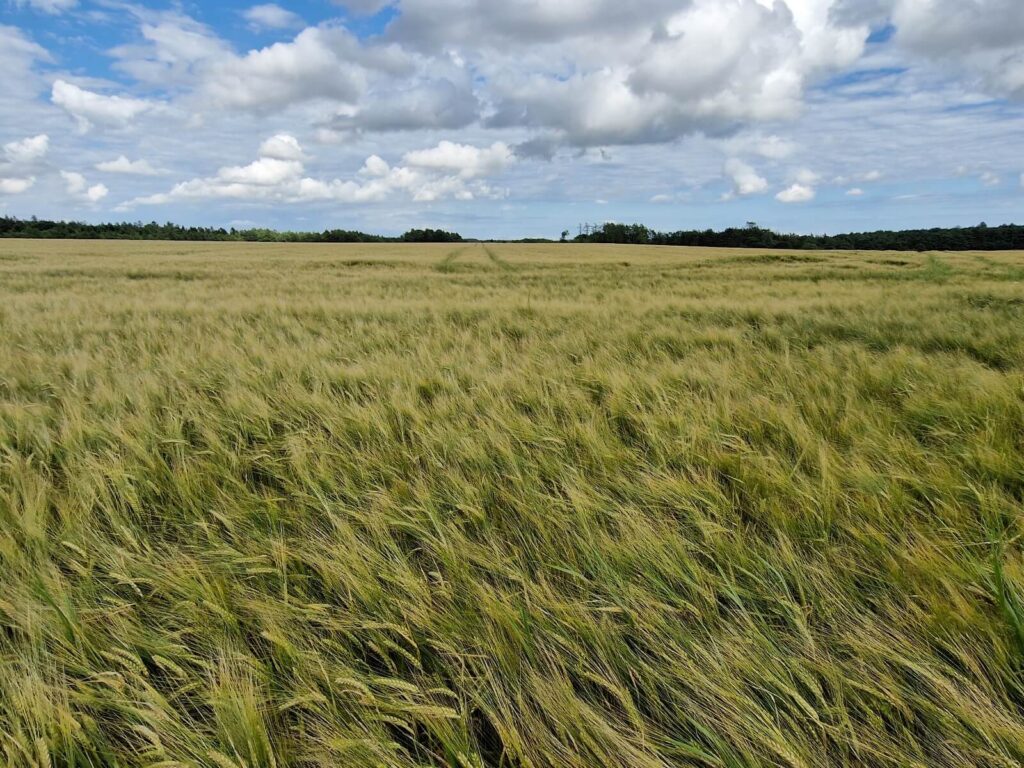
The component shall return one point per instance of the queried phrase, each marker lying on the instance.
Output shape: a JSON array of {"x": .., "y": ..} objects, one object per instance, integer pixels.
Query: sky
[{"x": 515, "y": 118}]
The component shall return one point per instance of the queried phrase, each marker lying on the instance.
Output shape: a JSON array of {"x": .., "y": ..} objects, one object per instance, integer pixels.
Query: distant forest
[
  {"x": 979, "y": 238},
  {"x": 74, "y": 230}
]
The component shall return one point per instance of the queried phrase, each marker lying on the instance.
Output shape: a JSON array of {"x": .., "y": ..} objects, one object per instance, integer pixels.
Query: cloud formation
[
  {"x": 745, "y": 179},
  {"x": 15, "y": 186},
  {"x": 771, "y": 102},
  {"x": 798, "y": 193},
  {"x": 77, "y": 186},
  {"x": 983, "y": 37},
  {"x": 27, "y": 150},
  {"x": 446, "y": 171},
  {"x": 315, "y": 65},
  {"x": 89, "y": 108},
  {"x": 123, "y": 165}
]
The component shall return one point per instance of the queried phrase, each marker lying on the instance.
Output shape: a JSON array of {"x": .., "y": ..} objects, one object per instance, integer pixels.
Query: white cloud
[
  {"x": 90, "y": 108},
  {"x": 448, "y": 170},
  {"x": 806, "y": 177},
  {"x": 980, "y": 42},
  {"x": 446, "y": 101},
  {"x": 282, "y": 147},
  {"x": 745, "y": 179},
  {"x": 18, "y": 58},
  {"x": 15, "y": 43},
  {"x": 15, "y": 186},
  {"x": 798, "y": 193},
  {"x": 271, "y": 16},
  {"x": 983, "y": 38},
  {"x": 173, "y": 52},
  {"x": 267, "y": 171},
  {"x": 75, "y": 183},
  {"x": 130, "y": 167},
  {"x": 855, "y": 192},
  {"x": 462, "y": 160},
  {"x": 27, "y": 150},
  {"x": 318, "y": 65},
  {"x": 990, "y": 179},
  {"x": 708, "y": 66},
  {"x": 77, "y": 186},
  {"x": 96, "y": 193}
]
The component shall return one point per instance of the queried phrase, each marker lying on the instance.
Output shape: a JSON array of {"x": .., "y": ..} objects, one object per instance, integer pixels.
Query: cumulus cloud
[
  {"x": 983, "y": 37},
  {"x": 446, "y": 171},
  {"x": 265, "y": 172},
  {"x": 806, "y": 177},
  {"x": 320, "y": 63},
  {"x": 130, "y": 167},
  {"x": 798, "y": 193},
  {"x": 326, "y": 63},
  {"x": 17, "y": 45},
  {"x": 75, "y": 183},
  {"x": 462, "y": 160},
  {"x": 282, "y": 147},
  {"x": 15, "y": 186},
  {"x": 90, "y": 108},
  {"x": 648, "y": 71},
  {"x": 746, "y": 181},
  {"x": 27, "y": 150},
  {"x": 440, "y": 104},
  {"x": 271, "y": 16},
  {"x": 18, "y": 58},
  {"x": 96, "y": 193},
  {"x": 981, "y": 41},
  {"x": 990, "y": 179},
  {"x": 432, "y": 24},
  {"x": 174, "y": 51},
  {"x": 855, "y": 192},
  {"x": 578, "y": 73},
  {"x": 77, "y": 186}
]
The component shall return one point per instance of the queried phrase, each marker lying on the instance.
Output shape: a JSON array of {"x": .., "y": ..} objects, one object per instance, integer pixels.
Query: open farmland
[{"x": 509, "y": 505}]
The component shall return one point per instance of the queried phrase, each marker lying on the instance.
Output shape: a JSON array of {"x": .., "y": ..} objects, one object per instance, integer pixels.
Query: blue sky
[{"x": 515, "y": 118}]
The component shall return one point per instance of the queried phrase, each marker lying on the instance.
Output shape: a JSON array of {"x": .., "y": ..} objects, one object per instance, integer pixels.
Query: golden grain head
[{"x": 509, "y": 505}]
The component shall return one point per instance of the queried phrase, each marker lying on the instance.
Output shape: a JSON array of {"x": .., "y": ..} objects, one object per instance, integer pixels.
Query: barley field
[{"x": 267, "y": 506}]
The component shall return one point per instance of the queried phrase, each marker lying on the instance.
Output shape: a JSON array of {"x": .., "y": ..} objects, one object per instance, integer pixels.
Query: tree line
[
  {"x": 980, "y": 238},
  {"x": 76, "y": 230}
]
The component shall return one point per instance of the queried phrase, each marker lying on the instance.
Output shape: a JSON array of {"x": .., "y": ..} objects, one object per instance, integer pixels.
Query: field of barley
[{"x": 512, "y": 506}]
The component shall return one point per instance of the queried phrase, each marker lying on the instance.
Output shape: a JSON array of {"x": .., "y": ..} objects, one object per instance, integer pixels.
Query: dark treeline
[
  {"x": 73, "y": 230},
  {"x": 979, "y": 238},
  {"x": 431, "y": 236}
]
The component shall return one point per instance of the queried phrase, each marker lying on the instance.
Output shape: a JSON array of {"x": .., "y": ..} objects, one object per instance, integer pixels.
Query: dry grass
[{"x": 509, "y": 506}]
